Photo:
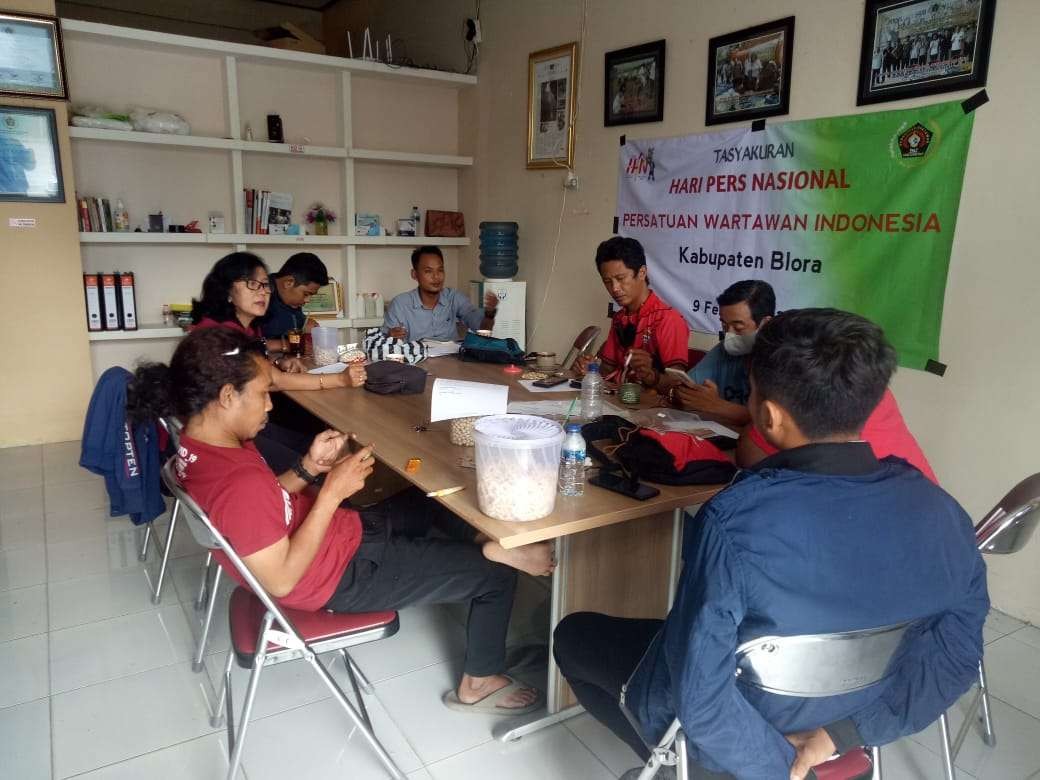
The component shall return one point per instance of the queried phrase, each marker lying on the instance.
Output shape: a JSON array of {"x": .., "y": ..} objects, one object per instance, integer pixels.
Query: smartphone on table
[{"x": 550, "y": 381}]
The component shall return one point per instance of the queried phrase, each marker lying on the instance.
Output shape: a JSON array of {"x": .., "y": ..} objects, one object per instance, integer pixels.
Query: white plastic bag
[{"x": 148, "y": 120}]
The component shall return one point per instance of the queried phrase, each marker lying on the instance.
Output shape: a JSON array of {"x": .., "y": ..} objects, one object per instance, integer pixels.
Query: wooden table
[{"x": 605, "y": 564}]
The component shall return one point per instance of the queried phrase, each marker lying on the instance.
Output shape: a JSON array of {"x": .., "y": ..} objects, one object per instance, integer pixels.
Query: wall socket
[
  {"x": 473, "y": 30},
  {"x": 570, "y": 181}
]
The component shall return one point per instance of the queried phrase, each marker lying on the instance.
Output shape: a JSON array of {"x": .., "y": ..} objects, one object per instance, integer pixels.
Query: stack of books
[
  {"x": 95, "y": 215},
  {"x": 267, "y": 212}
]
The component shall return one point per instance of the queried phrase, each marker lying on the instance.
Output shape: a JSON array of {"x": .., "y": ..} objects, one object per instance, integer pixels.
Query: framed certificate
[
  {"x": 32, "y": 62},
  {"x": 30, "y": 159},
  {"x": 551, "y": 93}
]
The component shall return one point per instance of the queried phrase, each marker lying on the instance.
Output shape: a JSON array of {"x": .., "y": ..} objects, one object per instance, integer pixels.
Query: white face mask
[{"x": 738, "y": 343}]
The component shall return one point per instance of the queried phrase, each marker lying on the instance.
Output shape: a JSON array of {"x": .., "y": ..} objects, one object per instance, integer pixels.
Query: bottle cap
[
  {"x": 573, "y": 428},
  {"x": 593, "y": 368}
]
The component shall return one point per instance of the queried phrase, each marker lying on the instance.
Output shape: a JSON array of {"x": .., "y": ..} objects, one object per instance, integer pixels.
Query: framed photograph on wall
[
  {"x": 550, "y": 107},
  {"x": 634, "y": 85},
  {"x": 749, "y": 73},
  {"x": 30, "y": 158},
  {"x": 32, "y": 61},
  {"x": 920, "y": 47}
]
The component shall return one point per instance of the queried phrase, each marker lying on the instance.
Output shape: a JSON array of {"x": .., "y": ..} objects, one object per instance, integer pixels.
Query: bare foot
[
  {"x": 474, "y": 689},
  {"x": 536, "y": 559}
]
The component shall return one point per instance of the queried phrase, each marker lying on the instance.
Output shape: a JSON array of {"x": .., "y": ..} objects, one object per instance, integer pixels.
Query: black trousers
[
  {"x": 597, "y": 654},
  {"x": 398, "y": 565}
]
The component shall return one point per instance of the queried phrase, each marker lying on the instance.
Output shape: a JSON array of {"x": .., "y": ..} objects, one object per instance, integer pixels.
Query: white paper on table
[
  {"x": 454, "y": 398},
  {"x": 564, "y": 387},
  {"x": 560, "y": 408},
  {"x": 332, "y": 368},
  {"x": 715, "y": 428},
  {"x": 441, "y": 348}
]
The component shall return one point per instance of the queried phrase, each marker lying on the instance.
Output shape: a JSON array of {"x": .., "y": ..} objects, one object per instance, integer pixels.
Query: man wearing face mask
[{"x": 721, "y": 388}]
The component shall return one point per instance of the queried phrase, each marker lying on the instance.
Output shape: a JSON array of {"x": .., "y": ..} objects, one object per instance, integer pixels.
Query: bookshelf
[{"x": 378, "y": 140}]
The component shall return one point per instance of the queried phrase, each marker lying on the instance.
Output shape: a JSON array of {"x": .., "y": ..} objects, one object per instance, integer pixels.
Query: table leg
[{"x": 628, "y": 570}]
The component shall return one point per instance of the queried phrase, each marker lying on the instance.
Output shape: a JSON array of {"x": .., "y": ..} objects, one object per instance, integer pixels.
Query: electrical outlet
[
  {"x": 472, "y": 30},
  {"x": 477, "y": 38},
  {"x": 570, "y": 182}
]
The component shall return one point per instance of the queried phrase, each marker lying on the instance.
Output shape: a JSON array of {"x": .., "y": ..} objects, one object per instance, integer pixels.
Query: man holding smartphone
[{"x": 717, "y": 387}]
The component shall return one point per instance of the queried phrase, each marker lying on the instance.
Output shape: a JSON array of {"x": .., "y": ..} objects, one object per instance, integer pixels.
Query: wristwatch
[{"x": 302, "y": 473}]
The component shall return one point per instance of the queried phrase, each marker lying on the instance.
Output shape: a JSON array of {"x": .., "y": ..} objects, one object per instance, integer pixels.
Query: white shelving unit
[
  {"x": 143, "y": 332},
  {"x": 230, "y": 56},
  {"x": 252, "y": 239}
]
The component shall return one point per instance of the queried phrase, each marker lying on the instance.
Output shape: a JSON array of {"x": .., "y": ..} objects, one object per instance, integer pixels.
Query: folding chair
[
  {"x": 173, "y": 428},
  {"x": 264, "y": 634},
  {"x": 806, "y": 666},
  {"x": 582, "y": 343},
  {"x": 1005, "y": 530}
]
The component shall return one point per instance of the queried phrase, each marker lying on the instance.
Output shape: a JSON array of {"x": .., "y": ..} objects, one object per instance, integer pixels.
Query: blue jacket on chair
[
  {"x": 818, "y": 539},
  {"x": 128, "y": 460}
]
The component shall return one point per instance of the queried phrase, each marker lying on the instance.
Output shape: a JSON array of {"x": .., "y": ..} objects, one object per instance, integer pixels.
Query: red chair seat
[
  {"x": 246, "y": 612},
  {"x": 850, "y": 766}
]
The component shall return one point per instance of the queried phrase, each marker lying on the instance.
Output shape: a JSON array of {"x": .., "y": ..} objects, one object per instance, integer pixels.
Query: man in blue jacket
[{"x": 818, "y": 538}]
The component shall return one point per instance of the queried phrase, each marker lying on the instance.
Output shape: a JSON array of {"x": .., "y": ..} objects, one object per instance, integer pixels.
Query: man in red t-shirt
[
  {"x": 885, "y": 431},
  {"x": 306, "y": 549},
  {"x": 646, "y": 331}
]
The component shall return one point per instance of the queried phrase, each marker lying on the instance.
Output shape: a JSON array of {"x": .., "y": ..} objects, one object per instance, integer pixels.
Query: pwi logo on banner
[
  {"x": 641, "y": 166},
  {"x": 915, "y": 141}
]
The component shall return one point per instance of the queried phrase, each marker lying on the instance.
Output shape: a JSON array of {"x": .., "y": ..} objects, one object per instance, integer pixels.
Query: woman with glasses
[{"x": 235, "y": 295}]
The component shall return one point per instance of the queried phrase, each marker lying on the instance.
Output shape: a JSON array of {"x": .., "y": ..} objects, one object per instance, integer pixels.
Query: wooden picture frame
[
  {"x": 745, "y": 80},
  {"x": 30, "y": 156},
  {"x": 913, "y": 48},
  {"x": 551, "y": 94},
  {"x": 633, "y": 84},
  {"x": 32, "y": 59}
]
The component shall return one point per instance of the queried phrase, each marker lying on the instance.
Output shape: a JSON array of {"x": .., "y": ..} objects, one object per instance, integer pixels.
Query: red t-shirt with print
[
  {"x": 242, "y": 497},
  {"x": 659, "y": 329}
]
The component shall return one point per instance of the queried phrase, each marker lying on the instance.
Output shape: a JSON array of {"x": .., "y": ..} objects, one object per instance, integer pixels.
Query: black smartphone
[
  {"x": 724, "y": 443},
  {"x": 550, "y": 381},
  {"x": 624, "y": 486}
]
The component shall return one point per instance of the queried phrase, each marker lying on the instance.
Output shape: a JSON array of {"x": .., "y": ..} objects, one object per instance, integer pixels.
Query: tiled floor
[{"x": 97, "y": 681}]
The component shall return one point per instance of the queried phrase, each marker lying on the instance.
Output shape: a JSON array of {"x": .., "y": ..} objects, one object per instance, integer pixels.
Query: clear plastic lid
[{"x": 517, "y": 431}]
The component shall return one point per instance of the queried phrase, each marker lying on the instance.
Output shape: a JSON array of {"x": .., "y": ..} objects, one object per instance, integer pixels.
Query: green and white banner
[{"x": 854, "y": 212}]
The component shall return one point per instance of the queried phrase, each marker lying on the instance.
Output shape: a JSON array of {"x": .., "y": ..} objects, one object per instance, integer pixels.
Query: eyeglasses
[{"x": 256, "y": 284}]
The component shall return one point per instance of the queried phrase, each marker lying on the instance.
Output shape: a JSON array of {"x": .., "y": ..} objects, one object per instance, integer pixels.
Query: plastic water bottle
[
  {"x": 572, "y": 463},
  {"x": 592, "y": 393}
]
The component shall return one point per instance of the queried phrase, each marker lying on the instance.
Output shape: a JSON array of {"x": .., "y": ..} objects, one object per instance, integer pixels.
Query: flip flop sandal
[{"x": 489, "y": 704}]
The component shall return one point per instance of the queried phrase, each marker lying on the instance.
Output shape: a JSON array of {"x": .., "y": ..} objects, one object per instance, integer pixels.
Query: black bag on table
[
  {"x": 388, "y": 376},
  {"x": 485, "y": 349},
  {"x": 667, "y": 458}
]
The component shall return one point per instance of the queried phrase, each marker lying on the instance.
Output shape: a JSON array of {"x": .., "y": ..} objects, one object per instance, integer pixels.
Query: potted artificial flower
[{"x": 321, "y": 217}]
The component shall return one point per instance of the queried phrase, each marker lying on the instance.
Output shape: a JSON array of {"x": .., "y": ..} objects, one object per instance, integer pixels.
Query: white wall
[{"x": 978, "y": 423}]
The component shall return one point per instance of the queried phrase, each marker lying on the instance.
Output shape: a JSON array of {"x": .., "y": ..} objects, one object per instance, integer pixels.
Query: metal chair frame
[
  {"x": 277, "y": 629},
  {"x": 854, "y": 659},
  {"x": 581, "y": 345},
  {"x": 1006, "y": 529},
  {"x": 173, "y": 428}
]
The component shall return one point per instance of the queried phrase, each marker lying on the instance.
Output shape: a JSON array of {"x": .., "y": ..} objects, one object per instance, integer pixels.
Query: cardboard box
[{"x": 288, "y": 36}]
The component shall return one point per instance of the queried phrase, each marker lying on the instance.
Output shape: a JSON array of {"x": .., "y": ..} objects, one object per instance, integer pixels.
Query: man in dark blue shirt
[
  {"x": 820, "y": 537},
  {"x": 294, "y": 284}
]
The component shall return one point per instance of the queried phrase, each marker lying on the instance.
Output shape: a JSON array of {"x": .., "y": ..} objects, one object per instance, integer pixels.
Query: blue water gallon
[{"x": 498, "y": 250}]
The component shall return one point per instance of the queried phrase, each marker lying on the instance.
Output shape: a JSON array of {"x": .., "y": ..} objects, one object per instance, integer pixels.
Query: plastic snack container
[{"x": 518, "y": 457}]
